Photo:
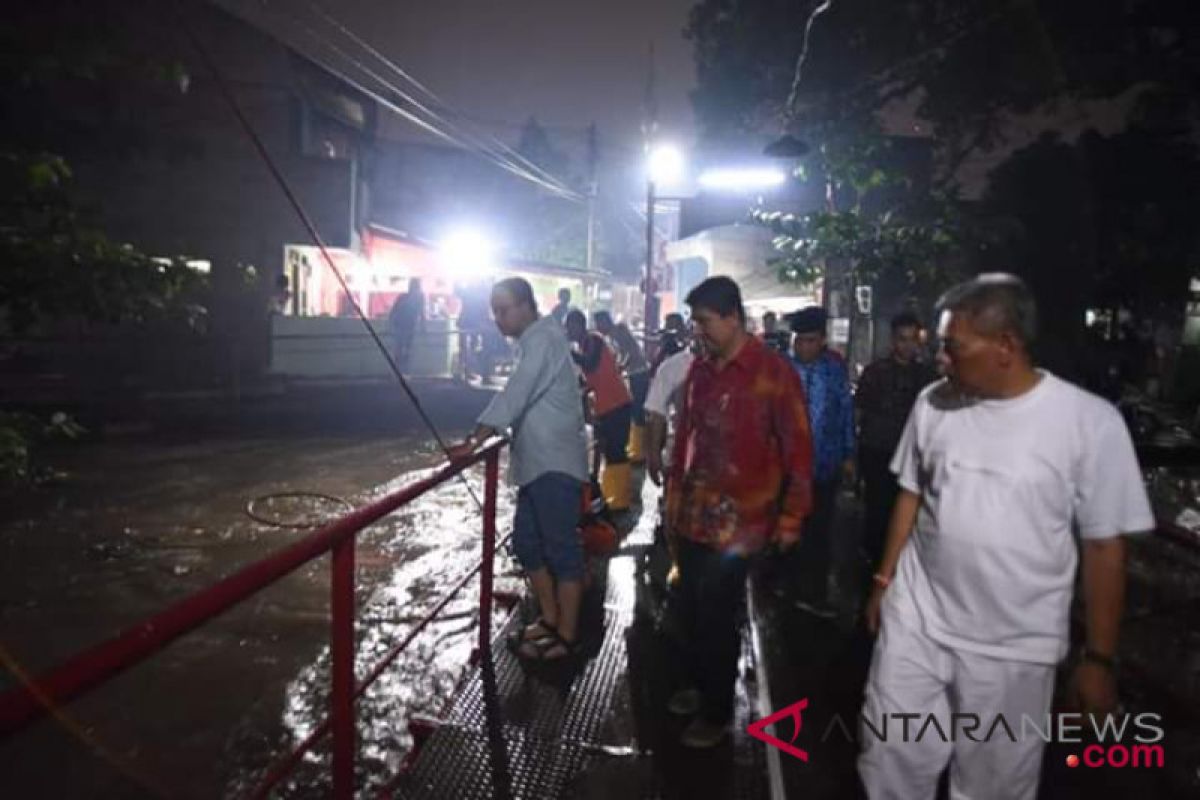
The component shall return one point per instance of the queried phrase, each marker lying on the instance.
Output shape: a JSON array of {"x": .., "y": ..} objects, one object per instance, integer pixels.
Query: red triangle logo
[{"x": 758, "y": 729}]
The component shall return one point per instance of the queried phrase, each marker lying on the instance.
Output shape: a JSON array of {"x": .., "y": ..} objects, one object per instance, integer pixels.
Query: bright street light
[
  {"x": 738, "y": 180},
  {"x": 665, "y": 164},
  {"x": 468, "y": 251}
]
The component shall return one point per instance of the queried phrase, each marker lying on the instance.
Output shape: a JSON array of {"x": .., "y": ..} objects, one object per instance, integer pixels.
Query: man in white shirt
[
  {"x": 660, "y": 400},
  {"x": 1000, "y": 466}
]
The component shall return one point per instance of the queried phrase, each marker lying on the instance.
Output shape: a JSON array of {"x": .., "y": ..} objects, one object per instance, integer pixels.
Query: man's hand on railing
[
  {"x": 467, "y": 446},
  {"x": 464, "y": 449}
]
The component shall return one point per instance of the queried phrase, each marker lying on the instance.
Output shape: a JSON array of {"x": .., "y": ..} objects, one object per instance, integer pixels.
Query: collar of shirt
[
  {"x": 536, "y": 327},
  {"x": 747, "y": 359}
]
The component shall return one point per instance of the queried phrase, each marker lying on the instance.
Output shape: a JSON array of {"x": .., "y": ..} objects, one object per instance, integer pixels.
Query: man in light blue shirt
[{"x": 542, "y": 407}]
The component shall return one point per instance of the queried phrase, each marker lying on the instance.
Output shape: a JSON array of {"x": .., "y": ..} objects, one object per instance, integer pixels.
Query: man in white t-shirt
[
  {"x": 1002, "y": 467},
  {"x": 660, "y": 401}
]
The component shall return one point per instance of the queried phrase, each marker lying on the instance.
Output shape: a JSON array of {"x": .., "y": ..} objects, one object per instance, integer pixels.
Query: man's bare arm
[
  {"x": 656, "y": 439},
  {"x": 900, "y": 526},
  {"x": 1093, "y": 686},
  {"x": 1103, "y": 592}
]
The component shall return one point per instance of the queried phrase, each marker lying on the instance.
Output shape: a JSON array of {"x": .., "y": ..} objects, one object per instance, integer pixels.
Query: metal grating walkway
[{"x": 520, "y": 732}]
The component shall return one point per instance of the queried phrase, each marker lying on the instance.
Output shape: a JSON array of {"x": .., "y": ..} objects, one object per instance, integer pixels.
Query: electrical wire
[
  {"x": 888, "y": 72},
  {"x": 425, "y": 125},
  {"x": 404, "y": 75},
  {"x": 306, "y": 220},
  {"x": 790, "y": 107}
]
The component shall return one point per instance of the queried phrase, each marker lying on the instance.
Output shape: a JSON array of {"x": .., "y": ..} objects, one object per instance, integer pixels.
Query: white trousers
[{"x": 912, "y": 674}]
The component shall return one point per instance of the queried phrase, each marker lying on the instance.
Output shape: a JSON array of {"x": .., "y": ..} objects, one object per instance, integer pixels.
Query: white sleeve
[
  {"x": 1110, "y": 495},
  {"x": 906, "y": 461},
  {"x": 663, "y": 385}
]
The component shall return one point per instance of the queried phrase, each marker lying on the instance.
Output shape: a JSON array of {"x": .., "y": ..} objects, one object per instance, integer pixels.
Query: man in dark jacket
[{"x": 886, "y": 392}]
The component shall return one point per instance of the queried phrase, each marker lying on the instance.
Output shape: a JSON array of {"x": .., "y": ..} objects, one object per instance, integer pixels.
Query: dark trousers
[
  {"x": 639, "y": 387},
  {"x": 814, "y": 552},
  {"x": 612, "y": 430},
  {"x": 710, "y": 596},
  {"x": 880, "y": 490},
  {"x": 402, "y": 350}
]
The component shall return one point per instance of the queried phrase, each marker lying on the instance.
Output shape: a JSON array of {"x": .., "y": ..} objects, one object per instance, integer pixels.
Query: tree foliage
[
  {"x": 880, "y": 222},
  {"x": 965, "y": 70},
  {"x": 53, "y": 267},
  {"x": 965, "y": 67},
  {"x": 20, "y": 436},
  {"x": 63, "y": 68},
  {"x": 1103, "y": 222}
]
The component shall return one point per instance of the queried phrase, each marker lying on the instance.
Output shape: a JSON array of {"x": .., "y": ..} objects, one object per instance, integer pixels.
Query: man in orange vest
[{"x": 612, "y": 408}]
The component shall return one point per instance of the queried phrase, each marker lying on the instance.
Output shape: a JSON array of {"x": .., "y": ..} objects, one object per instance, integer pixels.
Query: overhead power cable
[
  {"x": 445, "y": 107},
  {"x": 428, "y": 126},
  {"x": 318, "y": 240}
]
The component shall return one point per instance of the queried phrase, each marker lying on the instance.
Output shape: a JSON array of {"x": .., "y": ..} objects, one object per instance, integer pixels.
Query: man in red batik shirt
[{"x": 740, "y": 479}]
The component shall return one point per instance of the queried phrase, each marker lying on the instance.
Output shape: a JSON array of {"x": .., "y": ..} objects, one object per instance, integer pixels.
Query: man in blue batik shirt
[{"x": 831, "y": 419}]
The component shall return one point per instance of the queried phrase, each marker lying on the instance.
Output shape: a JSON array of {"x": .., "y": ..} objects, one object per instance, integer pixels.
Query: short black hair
[
  {"x": 564, "y": 294},
  {"x": 996, "y": 302},
  {"x": 906, "y": 319},
  {"x": 719, "y": 294},
  {"x": 810, "y": 319},
  {"x": 520, "y": 291},
  {"x": 601, "y": 318},
  {"x": 575, "y": 316},
  {"x": 674, "y": 320}
]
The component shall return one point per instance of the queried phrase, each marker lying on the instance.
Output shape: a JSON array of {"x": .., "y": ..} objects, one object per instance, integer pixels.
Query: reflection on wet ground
[
  {"x": 596, "y": 729},
  {"x": 431, "y": 547},
  {"x": 141, "y": 525}
]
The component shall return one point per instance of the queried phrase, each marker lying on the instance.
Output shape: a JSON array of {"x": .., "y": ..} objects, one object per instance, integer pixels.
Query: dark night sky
[{"x": 566, "y": 62}]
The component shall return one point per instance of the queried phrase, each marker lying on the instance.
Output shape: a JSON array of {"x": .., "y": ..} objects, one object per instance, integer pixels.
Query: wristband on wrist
[
  {"x": 881, "y": 580},
  {"x": 1095, "y": 657}
]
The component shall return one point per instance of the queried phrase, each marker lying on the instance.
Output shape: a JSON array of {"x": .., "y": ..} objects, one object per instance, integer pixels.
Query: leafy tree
[
  {"x": 1106, "y": 222},
  {"x": 966, "y": 69},
  {"x": 52, "y": 267},
  {"x": 20, "y": 436},
  {"x": 880, "y": 224},
  {"x": 63, "y": 66}
]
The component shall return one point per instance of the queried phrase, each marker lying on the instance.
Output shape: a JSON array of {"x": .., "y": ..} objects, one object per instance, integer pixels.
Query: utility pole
[
  {"x": 593, "y": 157},
  {"x": 649, "y": 129}
]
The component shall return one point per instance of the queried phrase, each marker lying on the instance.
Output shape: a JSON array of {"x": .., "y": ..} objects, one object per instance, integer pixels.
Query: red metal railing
[{"x": 99, "y": 664}]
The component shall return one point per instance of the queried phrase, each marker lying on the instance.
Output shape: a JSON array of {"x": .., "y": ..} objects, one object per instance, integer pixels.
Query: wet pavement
[
  {"x": 826, "y": 661},
  {"x": 597, "y": 727},
  {"x": 144, "y": 521}
]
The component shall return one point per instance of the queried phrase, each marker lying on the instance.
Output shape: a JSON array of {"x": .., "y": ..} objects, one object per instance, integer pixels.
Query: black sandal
[
  {"x": 520, "y": 637},
  {"x": 544, "y": 645}
]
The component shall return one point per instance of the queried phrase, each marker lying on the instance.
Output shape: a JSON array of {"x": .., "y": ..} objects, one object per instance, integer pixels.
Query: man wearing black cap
[{"x": 831, "y": 418}]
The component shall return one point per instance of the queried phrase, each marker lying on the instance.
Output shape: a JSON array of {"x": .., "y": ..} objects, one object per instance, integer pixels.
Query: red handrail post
[
  {"x": 490, "y": 481},
  {"x": 342, "y": 668}
]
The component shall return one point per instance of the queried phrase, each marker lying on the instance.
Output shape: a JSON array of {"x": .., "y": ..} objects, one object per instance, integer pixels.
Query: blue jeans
[{"x": 545, "y": 530}]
